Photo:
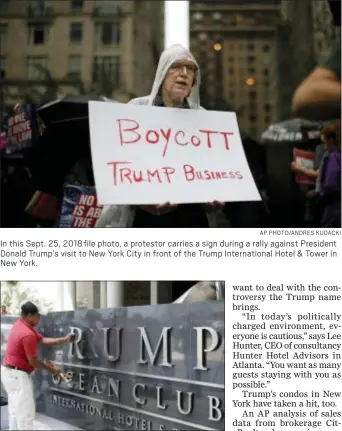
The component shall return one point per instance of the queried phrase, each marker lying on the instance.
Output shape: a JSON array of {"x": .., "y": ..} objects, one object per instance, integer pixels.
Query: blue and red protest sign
[
  {"x": 22, "y": 129},
  {"x": 79, "y": 207}
]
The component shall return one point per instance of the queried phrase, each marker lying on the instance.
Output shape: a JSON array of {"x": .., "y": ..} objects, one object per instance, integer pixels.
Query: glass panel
[{"x": 35, "y": 65}]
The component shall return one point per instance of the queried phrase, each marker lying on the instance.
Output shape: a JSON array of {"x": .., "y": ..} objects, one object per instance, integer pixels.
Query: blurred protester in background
[
  {"x": 176, "y": 84},
  {"x": 319, "y": 96},
  {"x": 314, "y": 203},
  {"x": 16, "y": 192},
  {"x": 329, "y": 177},
  {"x": 311, "y": 173}
]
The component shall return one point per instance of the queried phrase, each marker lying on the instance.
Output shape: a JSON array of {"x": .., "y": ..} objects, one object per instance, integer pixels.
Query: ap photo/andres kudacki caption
[{"x": 112, "y": 355}]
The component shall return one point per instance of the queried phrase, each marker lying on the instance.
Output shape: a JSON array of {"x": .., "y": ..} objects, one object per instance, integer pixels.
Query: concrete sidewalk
[{"x": 42, "y": 422}]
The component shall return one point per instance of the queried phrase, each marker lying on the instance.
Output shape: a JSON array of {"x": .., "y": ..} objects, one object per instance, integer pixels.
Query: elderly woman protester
[{"x": 176, "y": 85}]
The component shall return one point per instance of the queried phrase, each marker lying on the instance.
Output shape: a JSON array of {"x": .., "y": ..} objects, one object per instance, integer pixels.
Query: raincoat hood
[{"x": 171, "y": 55}]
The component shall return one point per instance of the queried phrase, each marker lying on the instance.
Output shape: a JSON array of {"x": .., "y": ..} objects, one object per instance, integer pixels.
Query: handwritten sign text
[
  {"x": 129, "y": 134},
  {"x": 150, "y": 155}
]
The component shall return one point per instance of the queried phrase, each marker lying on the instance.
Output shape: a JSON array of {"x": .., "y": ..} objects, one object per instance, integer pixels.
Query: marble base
[{"x": 42, "y": 422}]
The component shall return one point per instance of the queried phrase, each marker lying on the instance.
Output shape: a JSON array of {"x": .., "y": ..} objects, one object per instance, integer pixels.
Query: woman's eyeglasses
[{"x": 178, "y": 67}]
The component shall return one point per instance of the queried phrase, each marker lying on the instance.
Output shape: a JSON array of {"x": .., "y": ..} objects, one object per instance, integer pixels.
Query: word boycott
[
  {"x": 128, "y": 133},
  {"x": 164, "y": 174}
]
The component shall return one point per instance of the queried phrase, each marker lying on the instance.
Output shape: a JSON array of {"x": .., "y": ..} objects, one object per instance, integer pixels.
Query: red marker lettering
[
  {"x": 180, "y": 132},
  {"x": 208, "y": 132},
  {"x": 192, "y": 174},
  {"x": 152, "y": 174},
  {"x": 168, "y": 172},
  {"x": 125, "y": 173},
  {"x": 115, "y": 167},
  {"x": 151, "y": 140},
  {"x": 128, "y": 134},
  {"x": 207, "y": 175},
  {"x": 138, "y": 177},
  {"x": 189, "y": 172},
  {"x": 132, "y": 129},
  {"x": 166, "y": 135},
  {"x": 196, "y": 142},
  {"x": 226, "y": 134}
]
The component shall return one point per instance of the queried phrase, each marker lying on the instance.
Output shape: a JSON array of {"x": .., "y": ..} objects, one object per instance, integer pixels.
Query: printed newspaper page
[
  {"x": 268, "y": 359},
  {"x": 170, "y": 221}
]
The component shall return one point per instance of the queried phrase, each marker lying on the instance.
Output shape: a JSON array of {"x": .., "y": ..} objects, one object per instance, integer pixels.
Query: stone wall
[{"x": 137, "y": 293}]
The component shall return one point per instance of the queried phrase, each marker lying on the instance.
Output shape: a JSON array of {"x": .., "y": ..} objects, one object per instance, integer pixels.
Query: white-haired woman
[{"x": 176, "y": 85}]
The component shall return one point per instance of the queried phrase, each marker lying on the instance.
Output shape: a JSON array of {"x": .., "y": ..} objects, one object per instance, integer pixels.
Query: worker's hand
[
  {"x": 159, "y": 209},
  {"x": 54, "y": 369},
  {"x": 70, "y": 338}
]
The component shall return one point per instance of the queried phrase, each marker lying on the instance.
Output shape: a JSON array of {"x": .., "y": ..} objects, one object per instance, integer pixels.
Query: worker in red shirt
[{"x": 19, "y": 362}]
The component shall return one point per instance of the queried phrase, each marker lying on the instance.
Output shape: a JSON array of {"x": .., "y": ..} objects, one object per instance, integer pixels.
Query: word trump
[
  {"x": 131, "y": 133},
  {"x": 123, "y": 173}
]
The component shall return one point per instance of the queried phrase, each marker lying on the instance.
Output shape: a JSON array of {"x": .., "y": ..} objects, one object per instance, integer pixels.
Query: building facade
[
  {"x": 314, "y": 34},
  {"x": 254, "y": 53},
  {"x": 324, "y": 32},
  {"x": 79, "y": 45},
  {"x": 103, "y": 294},
  {"x": 236, "y": 46},
  {"x": 302, "y": 43}
]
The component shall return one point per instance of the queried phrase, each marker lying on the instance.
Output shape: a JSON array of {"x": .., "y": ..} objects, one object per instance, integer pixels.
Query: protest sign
[
  {"x": 306, "y": 159},
  {"x": 79, "y": 207},
  {"x": 3, "y": 140},
  {"x": 152, "y": 155},
  {"x": 22, "y": 128}
]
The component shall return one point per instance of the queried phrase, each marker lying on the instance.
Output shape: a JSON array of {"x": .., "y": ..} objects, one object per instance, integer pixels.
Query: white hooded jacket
[
  {"x": 168, "y": 57},
  {"x": 123, "y": 216}
]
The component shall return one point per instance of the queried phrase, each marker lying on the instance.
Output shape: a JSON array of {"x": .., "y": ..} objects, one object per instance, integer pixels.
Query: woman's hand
[
  {"x": 213, "y": 206},
  {"x": 297, "y": 167},
  {"x": 159, "y": 209}
]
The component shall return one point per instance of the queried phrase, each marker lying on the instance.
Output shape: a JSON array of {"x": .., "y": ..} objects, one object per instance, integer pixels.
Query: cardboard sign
[
  {"x": 306, "y": 159},
  {"x": 79, "y": 207},
  {"x": 22, "y": 129},
  {"x": 151, "y": 155}
]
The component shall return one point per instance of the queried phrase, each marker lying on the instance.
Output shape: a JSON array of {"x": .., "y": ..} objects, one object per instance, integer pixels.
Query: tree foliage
[{"x": 13, "y": 295}]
